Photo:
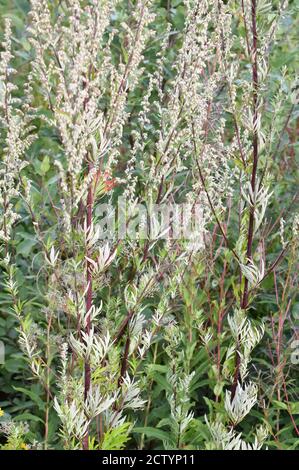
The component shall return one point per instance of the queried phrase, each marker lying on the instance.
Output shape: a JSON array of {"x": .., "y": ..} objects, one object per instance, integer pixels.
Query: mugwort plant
[{"x": 149, "y": 225}]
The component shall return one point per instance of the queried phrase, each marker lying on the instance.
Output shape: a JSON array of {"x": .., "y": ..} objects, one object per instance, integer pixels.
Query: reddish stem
[
  {"x": 255, "y": 146},
  {"x": 245, "y": 297}
]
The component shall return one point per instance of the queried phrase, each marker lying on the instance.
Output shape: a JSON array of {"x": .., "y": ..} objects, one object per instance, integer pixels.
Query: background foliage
[{"x": 208, "y": 289}]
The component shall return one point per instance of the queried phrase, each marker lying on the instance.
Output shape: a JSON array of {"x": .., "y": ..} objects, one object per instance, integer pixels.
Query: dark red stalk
[
  {"x": 124, "y": 363},
  {"x": 254, "y": 144},
  {"x": 255, "y": 156}
]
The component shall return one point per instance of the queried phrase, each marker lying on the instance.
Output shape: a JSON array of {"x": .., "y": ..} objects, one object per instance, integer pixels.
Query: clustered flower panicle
[{"x": 109, "y": 310}]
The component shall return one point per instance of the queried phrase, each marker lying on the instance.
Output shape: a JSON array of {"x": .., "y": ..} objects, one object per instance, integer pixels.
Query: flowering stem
[
  {"x": 88, "y": 298},
  {"x": 255, "y": 156},
  {"x": 254, "y": 145}
]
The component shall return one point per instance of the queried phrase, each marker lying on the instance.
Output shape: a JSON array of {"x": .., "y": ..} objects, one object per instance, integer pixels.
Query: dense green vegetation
[{"x": 154, "y": 342}]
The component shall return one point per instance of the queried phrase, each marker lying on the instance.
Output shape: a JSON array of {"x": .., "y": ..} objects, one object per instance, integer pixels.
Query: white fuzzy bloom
[{"x": 14, "y": 132}]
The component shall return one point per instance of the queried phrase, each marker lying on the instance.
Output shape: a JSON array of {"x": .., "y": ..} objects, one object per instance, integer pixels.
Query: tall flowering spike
[
  {"x": 14, "y": 134},
  {"x": 77, "y": 71},
  {"x": 174, "y": 108}
]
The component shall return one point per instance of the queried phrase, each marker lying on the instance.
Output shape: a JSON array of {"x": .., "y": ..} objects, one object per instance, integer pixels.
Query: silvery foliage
[
  {"x": 228, "y": 439},
  {"x": 246, "y": 336},
  {"x": 242, "y": 402},
  {"x": 64, "y": 53}
]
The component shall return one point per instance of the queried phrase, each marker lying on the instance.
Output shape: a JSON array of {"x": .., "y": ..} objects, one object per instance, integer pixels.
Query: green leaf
[
  {"x": 280, "y": 405},
  {"x": 294, "y": 407},
  {"x": 45, "y": 166},
  {"x": 218, "y": 389},
  {"x": 162, "y": 382},
  {"x": 28, "y": 417},
  {"x": 42, "y": 167},
  {"x": 25, "y": 247},
  {"x": 154, "y": 433},
  {"x": 116, "y": 438},
  {"x": 13, "y": 365},
  {"x": 34, "y": 397}
]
